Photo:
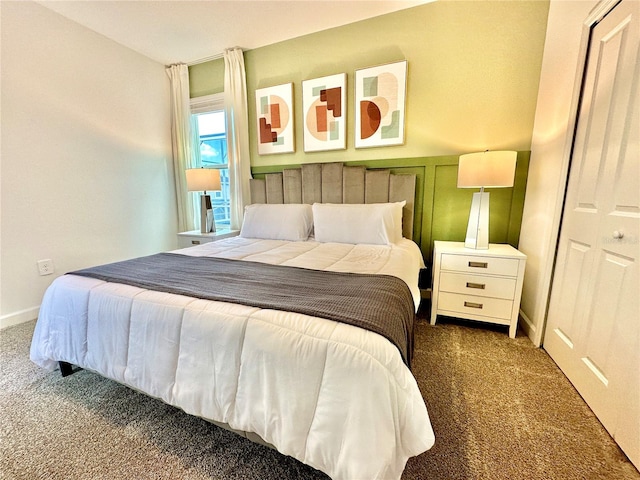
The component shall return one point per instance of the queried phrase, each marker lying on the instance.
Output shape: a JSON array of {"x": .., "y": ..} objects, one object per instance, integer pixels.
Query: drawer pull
[
  {"x": 473, "y": 305},
  {"x": 195, "y": 242},
  {"x": 478, "y": 264},
  {"x": 479, "y": 286}
]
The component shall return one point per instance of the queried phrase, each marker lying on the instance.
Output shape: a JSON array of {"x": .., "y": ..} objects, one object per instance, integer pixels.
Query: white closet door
[{"x": 593, "y": 326}]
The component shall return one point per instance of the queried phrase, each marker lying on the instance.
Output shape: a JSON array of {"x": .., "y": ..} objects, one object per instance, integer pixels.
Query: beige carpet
[{"x": 500, "y": 410}]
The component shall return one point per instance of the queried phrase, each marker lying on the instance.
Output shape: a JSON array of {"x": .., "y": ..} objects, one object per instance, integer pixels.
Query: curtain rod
[
  {"x": 212, "y": 57},
  {"x": 206, "y": 59}
]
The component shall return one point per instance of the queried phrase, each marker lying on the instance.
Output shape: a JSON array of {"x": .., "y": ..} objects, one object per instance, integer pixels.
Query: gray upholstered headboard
[{"x": 338, "y": 183}]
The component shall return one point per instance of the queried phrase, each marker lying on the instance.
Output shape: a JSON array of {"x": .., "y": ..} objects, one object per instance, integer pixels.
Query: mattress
[{"x": 334, "y": 396}]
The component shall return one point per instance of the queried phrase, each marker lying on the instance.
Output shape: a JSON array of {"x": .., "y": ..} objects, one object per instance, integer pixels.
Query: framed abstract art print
[
  {"x": 380, "y": 94},
  {"x": 274, "y": 113},
  {"x": 325, "y": 113}
]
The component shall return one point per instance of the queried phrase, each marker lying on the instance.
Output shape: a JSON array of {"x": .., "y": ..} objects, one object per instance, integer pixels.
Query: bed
[{"x": 330, "y": 393}]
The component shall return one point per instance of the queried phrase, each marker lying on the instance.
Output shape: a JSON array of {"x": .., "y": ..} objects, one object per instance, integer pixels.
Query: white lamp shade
[
  {"x": 488, "y": 169},
  {"x": 203, "y": 179}
]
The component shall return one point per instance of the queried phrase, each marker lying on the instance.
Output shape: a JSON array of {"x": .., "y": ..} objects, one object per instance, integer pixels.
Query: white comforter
[{"x": 334, "y": 396}]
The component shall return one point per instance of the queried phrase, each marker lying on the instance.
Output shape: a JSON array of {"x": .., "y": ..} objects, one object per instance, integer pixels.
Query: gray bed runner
[{"x": 380, "y": 303}]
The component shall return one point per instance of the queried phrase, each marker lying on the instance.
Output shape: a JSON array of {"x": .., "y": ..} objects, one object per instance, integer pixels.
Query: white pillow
[
  {"x": 372, "y": 223},
  {"x": 287, "y": 221}
]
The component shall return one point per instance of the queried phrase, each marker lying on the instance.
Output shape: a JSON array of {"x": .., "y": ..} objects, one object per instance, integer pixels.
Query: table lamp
[
  {"x": 489, "y": 169},
  {"x": 201, "y": 180}
]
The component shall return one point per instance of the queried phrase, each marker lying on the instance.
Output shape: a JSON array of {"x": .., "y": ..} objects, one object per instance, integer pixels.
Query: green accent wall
[
  {"x": 442, "y": 209},
  {"x": 206, "y": 78}
]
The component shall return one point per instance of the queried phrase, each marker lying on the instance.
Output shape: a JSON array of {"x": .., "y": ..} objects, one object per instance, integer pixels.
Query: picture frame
[
  {"x": 275, "y": 119},
  {"x": 380, "y": 96},
  {"x": 324, "y": 110}
]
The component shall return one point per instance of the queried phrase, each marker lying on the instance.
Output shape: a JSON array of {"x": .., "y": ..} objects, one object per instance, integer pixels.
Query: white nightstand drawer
[
  {"x": 472, "y": 305},
  {"x": 186, "y": 241},
  {"x": 195, "y": 237},
  {"x": 480, "y": 264},
  {"x": 478, "y": 285}
]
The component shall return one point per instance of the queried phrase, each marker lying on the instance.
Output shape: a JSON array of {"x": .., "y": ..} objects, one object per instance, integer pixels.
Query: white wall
[
  {"x": 550, "y": 149},
  {"x": 86, "y": 174}
]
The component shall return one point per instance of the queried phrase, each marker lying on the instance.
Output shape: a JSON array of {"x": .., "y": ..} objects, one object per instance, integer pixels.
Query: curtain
[
  {"x": 235, "y": 102},
  {"x": 182, "y": 145}
]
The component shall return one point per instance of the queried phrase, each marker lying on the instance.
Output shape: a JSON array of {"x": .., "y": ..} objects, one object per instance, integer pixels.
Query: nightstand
[
  {"x": 196, "y": 237},
  {"x": 482, "y": 285}
]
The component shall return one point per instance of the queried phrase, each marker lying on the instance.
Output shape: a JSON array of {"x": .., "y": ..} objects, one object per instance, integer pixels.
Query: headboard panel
[
  {"x": 353, "y": 184},
  {"x": 337, "y": 183}
]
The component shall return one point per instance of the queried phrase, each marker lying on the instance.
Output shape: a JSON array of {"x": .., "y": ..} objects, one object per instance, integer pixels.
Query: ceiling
[{"x": 174, "y": 31}]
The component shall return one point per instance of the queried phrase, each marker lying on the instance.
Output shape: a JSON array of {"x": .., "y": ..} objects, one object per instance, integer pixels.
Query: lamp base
[
  {"x": 478, "y": 228},
  {"x": 207, "y": 223}
]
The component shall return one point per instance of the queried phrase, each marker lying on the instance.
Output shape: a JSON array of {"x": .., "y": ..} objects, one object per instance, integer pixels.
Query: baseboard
[
  {"x": 19, "y": 317},
  {"x": 529, "y": 328}
]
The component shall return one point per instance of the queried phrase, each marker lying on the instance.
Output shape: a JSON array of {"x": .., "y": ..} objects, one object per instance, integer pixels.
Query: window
[{"x": 210, "y": 121}]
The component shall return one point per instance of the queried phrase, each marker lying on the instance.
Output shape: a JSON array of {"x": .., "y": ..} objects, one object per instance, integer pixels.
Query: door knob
[{"x": 618, "y": 234}]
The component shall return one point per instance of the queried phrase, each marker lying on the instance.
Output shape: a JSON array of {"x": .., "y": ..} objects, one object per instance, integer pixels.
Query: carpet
[{"x": 500, "y": 409}]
